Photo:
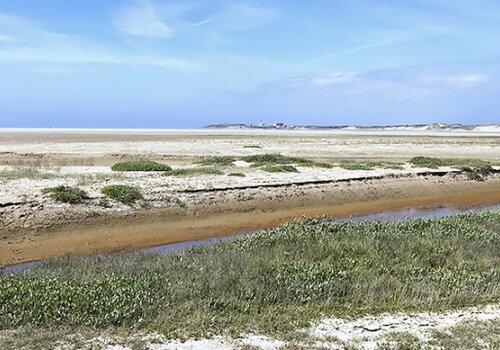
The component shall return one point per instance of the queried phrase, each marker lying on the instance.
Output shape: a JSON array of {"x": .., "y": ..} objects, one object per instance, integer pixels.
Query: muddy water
[{"x": 385, "y": 216}]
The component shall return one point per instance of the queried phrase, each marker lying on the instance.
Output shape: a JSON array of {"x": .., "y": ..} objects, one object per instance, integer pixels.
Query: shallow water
[{"x": 387, "y": 216}]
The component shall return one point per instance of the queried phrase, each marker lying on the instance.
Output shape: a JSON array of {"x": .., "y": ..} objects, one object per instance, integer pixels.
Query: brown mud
[{"x": 229, "y": 212}]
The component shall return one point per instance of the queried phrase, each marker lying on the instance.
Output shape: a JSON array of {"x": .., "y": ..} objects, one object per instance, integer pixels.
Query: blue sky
[{"x": 159, "y": 63}]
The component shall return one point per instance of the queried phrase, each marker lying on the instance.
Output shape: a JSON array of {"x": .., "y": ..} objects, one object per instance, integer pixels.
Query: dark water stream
[{"x": 387, "y": 216}]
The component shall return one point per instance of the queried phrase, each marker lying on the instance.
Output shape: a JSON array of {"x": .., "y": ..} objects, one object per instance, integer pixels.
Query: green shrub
[
  {"x": 236, "y": 174},
  {"x": 140, "y": 165},
  {"x": 122, "y": 193},
  {"x": 66, "y": 194},
  {"x": 280, "y": 169}
]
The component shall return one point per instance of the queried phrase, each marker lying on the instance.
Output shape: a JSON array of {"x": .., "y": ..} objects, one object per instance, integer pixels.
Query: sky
[{"x": 184, "y": 64}]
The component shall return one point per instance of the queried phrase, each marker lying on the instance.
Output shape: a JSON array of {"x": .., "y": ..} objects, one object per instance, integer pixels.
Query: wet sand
[{"x": 263, "y": 209}]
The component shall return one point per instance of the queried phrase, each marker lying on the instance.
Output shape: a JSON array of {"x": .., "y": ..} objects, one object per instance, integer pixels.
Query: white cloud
[
  {"x": 142, "y": 21},
  {"x": 405, "y": 83},
  {"x": 37, "y": 45},
  {"x": 6, "y": 38}
]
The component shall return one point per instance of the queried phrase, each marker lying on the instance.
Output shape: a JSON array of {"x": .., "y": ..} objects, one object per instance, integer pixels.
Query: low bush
[
  {"x": 122, "y": 193},
  {"x": 478, "y": 165},
  {"x": 66, "y": 194},
  {"x": 236, "y": 174},
  {"x": 140, "y": 165}
]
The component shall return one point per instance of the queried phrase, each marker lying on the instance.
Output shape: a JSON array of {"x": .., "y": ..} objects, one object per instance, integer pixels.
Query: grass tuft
[
  {"x": 280, "y": 169},
  {"x": 122, "y": 193},
  {"x": 140, "y": 165},
  {"x": 278, "y": 159},
  {"x": 194, "y": 171},
  {"x": 369, "y": 165},
  {"x": 218, "y": 160},
  {"x": 66, "y": 194},
  {"x": 236, "y": 174}
]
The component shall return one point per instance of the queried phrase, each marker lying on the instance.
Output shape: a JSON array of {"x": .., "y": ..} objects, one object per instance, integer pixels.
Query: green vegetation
[
  {"x": 122, "y": 193},
  {"x": 194, "y": 171},
  {"x": 140, "y": 165},
  {"x": 278, "y": 159},
  {"x": 252, "y": 146},
  {"x": 369, "y": 165},
  {"x": 475, "y": 169},
  {"x": 219, "y": 160},
  {"x": 280, "y": 169},
  {"x": 275, "y": 281},
  {"x": 429, "y": 162},
  {"x": 236, "y": 174},
  {"x": 66, "y": 194}
]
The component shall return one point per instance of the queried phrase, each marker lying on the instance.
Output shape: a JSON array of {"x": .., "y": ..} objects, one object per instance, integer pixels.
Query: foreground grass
[
  {"x": 269, "y": 159},
  {"x": 273, "y": 282}
]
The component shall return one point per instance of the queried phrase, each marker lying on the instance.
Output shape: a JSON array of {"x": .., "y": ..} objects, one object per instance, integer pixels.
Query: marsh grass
[
  {"x": 236, "y": 174},
  {"x": 260, "y": 160},
  {"x": 369, "y": 165},
  {"x": 122, "y": 193},
  {"x": 273, "y": 282},
  {"x": 27, "y": 172},
  {"x": 66, "y": 194},
  {"x": 429, "y": 162},
  {"x": 280, "y": 169},
  {"x": 218, "y": 160},
  {"x": 206, "y": 170},
  {"x": 140, "y": 165}
]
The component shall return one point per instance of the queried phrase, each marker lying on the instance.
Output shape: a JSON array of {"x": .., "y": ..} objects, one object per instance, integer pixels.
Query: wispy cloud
[
  {"x": 37, "y": 45},
  {"x": 142, "y": 21},
  {"x": 405, "y": 83}
]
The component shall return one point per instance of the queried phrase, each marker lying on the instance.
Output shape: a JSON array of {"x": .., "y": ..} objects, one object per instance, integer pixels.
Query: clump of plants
[
  {"x": 236, "y": 174},
  {"x": 140, "y": 165},
  {"x": 280, "y": 169},
  {"x": 475, "y": 169},
  {"x": 369, "y": 165},
  {"x": 218, "y": 160},
  {"x": 259, "y": 160},
  {"x": 194, "y": 171},
  {"x": 122, "y": 193},
  {"x": 252, "y": 146},
  {"x": 66, "y": 194}
]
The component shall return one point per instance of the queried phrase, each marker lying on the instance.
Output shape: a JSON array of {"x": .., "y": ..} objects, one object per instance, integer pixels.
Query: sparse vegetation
[
  {"x": 122, "y": 193},
  {"x": 369, "y": 165},
  {"x": 218, "y": 160},
  {"x": 273, "y": 282},
  {"x": 429, "y": 162},
  {"x": 206, "y": 170},
  {"x": 280, "y": 169},
  {"x": 260, "y": 160},
  {"x": 236, "y": 174},
  {"x": 252, "y": 146},
  {"x": 27, "y": 172},
  {"x": 140, "y": 165},
  {"x": 66, "y": 194}
]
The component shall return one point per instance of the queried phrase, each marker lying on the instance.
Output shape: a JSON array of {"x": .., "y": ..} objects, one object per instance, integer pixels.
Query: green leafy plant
[
  {"x": 66, "y": 194},
  {"x": 140, "y": 165},
  {"x": 122, "y": 193}
]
